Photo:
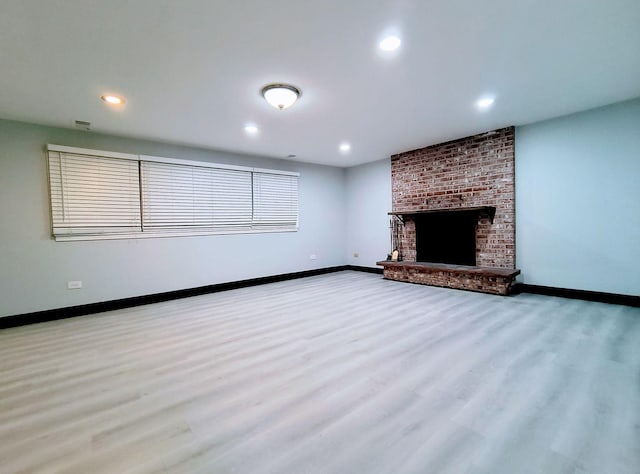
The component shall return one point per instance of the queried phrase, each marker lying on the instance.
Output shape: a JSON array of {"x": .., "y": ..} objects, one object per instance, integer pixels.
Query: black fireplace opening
[{"x": 448, "y": 237}]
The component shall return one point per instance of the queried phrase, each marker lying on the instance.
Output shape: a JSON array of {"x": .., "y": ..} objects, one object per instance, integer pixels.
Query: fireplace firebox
[
  {"x": 441, "y": 235},
  {"x": 448, "y": 237}
]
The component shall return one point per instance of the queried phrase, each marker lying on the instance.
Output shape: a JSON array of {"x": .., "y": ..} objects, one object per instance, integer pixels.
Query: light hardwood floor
[{"x": 340, "y": 373}]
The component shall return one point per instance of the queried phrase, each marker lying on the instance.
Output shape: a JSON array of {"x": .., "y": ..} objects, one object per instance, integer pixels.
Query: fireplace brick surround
[{"x": 470, "y": 172}]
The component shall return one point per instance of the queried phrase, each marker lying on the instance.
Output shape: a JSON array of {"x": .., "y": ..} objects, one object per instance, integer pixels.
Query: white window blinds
[
  {"x": 275, "y": 200},
  {"x": 97, "y": 194},
  {"x": 93, "y": 194},
  {"x": 194, "y": 198}
]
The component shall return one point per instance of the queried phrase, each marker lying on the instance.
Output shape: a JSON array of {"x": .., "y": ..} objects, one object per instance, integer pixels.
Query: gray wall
[
  {"x": 368, "y": 202},
  {"x": 577, "y": 218},
  {"x": 578, "y": 200},
  {"x": 34, "y": 269}
]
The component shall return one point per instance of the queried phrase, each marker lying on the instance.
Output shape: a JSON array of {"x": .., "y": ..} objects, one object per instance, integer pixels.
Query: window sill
[{"x": 153, "y": 234}]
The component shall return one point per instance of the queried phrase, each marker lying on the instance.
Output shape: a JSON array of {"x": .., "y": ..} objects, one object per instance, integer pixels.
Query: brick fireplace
[{"x": 460, "y": 187}]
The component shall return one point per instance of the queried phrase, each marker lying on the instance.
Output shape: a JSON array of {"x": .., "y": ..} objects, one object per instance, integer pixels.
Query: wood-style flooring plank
[{"x": 344, "y": 372}]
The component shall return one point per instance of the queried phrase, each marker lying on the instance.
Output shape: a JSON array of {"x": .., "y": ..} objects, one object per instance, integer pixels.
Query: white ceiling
[{"x": 191, "y": 70}]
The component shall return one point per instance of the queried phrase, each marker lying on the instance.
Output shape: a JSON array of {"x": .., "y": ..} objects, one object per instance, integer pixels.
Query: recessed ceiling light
[
  {"x": 280, "y": 96},
  {"x": 390, "y": 43},
  {"x": 251, "y": 129},
  {"x": 113, "y": 99},
  {"x": 485, "y": 102},
  {"x": 344, "y": 147}
]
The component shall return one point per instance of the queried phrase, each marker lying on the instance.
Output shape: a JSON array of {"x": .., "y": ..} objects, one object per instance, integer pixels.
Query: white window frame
[{"x": 177, "y": 232}]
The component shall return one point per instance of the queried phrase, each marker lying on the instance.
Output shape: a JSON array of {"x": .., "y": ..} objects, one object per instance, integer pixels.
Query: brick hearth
[{"x": 497, "y": 281}]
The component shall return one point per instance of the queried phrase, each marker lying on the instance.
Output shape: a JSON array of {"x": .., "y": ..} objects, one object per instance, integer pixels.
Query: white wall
[
  {"x": 368, "y": 202},
  {"x": 578, "y": 200},
  {"x": 34, "y": 269}
]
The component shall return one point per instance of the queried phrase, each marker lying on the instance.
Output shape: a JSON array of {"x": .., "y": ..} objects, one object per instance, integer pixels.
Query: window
[
  {"x": 97, "y": 195},
  {"x": 93, "y": 195},
  {"x": 194, "y": 198},
  {"x": 275, "y": 200}
]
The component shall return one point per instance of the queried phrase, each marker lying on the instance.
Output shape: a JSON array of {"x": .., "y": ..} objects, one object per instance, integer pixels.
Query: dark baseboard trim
[
  {"x": 82, "y": 310},
  {"x": 612, "y": 298},
  {"x": 357, "y": 268}
]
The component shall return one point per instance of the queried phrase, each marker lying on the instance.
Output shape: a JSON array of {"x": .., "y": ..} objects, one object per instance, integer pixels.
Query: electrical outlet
[
  {"x": 74, "y": 285},
  {"x": 356, "y": 254},
  {"x": 313, "y": 256}
]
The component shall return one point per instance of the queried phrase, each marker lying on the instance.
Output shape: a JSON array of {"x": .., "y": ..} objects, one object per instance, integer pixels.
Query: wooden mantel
[{"x": 480, "y": 211}]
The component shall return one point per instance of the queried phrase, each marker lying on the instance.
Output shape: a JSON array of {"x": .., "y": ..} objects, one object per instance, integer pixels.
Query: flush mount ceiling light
[
  {"x": 113, "y": 99},
  {"x": 390, "y": 43},
  {"x": 280, "y": 96},
  {"x": 344, "y": 147}
]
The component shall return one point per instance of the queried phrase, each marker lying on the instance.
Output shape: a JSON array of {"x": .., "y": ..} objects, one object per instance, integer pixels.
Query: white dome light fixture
[{"x": 280, "y": 96}]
